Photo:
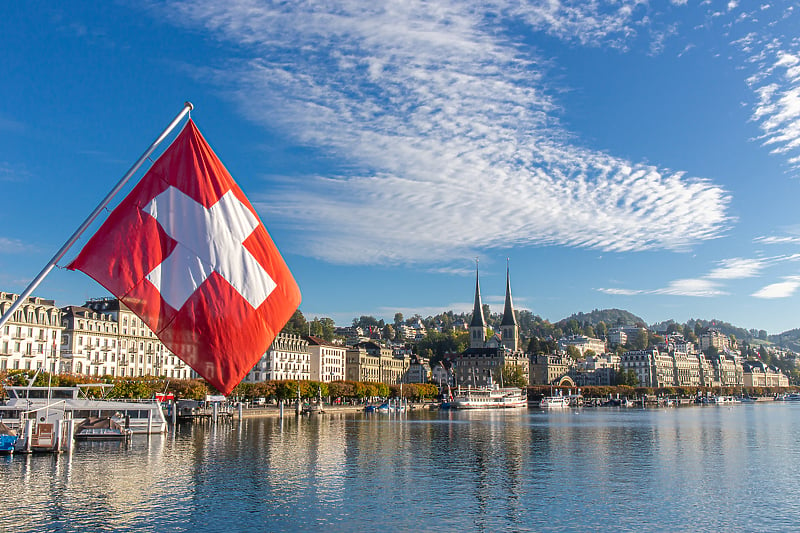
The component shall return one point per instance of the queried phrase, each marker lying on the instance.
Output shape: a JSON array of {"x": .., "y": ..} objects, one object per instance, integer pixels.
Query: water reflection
[{"x": 603, "y": 469}]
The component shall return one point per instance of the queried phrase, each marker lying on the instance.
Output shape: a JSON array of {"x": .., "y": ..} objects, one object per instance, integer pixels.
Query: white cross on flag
[{"x": 187, "y": 253}]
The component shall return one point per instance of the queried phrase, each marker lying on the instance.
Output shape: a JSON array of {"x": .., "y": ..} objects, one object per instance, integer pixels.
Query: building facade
[
  {"x": 30, "y": 338},
  {"x": 327, "y": 360},
  {"x": 286, "y": 358}
]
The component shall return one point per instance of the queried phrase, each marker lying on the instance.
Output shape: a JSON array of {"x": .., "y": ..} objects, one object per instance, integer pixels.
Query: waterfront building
[
  {"x": 391, "y": 368},
  {"x": 29, "y": 340},
  {"x": 360, "y": 365},
  {"x": 327, "y": 360},
  {"x": 549, "y": 369},
  {"x": 137, "y": 350},
  {"x": 419, "y": 369},
  {"x": 286, "y": 358},
  {"x": 727, "y": 371},
  {"x": 90, "y": 343},
  {"x": 652, "y": 367},
  {"x": 759, "y": 374},
  {"x": 482, "y": 363},
  {"x": 686, "y": 361},
  {"x": 598, "y": 370}
]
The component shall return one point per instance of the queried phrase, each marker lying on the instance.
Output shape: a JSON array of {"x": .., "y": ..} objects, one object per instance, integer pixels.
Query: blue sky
[{"x": 634, "y": 155}]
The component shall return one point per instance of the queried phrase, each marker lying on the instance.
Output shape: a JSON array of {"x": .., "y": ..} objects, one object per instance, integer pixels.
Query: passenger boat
[
  {"x": 488, "y": 398},
  {"x": 554, "y": 402},
  {"x": 45, "y": 407}
]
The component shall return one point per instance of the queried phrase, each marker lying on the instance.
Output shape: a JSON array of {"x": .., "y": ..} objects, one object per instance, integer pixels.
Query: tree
[
  {"x": 533, "y": 345},
  {"x": 627, "y": 377},
  {"x": 513, "y": 376},
  {"x": 601, "y": 329},
  {"x": 398, "y": 319},
  {"x": 388, "y": 332},
  {"x": 573, "y": 352},
  {"x": 324, "y": 328},
  {"x": 639, "y": 340},
  {"x": 296, "y": 325}
]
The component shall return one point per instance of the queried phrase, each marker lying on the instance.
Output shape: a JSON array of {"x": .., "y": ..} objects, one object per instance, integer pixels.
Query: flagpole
[{"x": 91, "y": 218}]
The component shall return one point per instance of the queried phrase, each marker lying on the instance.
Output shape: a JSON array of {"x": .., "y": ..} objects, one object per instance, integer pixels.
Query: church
[{"x": 481, "y": 364}]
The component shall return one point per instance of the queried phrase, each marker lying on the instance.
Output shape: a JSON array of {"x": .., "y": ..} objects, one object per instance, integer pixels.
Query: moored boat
[
  {"x": 488, "y": 398},
  {"x": 105, "y": 429},
  {"x": 554, "y": 402},
  {"x": 8, "y": 439},
  {"x": 49, "y": 405}
]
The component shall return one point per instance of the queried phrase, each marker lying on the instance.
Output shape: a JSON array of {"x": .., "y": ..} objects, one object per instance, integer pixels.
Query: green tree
[
  {"x": 398, "y": 319},
  {"x": 513, "y": 376},
  {"x": 639, "y": 340},
  {"x": 297, "y": 324},
  {"x": 627, "y": 377},
  {"x": 573, "y": 352}
]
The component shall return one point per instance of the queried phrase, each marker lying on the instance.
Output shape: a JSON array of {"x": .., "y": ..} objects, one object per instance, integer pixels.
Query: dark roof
[
  {"x": 508, "y": 313},
  {"x": 477, "y": 311}
]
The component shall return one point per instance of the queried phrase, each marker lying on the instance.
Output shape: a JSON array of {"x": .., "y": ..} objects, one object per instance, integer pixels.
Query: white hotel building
[
  {"x": 29, "y": 340},
  {"x": 286, "y": 358}
]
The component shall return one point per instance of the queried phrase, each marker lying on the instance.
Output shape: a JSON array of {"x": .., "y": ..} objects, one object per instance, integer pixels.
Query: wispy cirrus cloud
[
  {"x": 449, "y": 127},
  {"x": 767, "y": 36},
  {"x": 781, "y": 289},
  {"x": 698, "y": 287},
  {"x": 14, "y": 246},
  {"x": 711, "y": 283},
  {"x": 9, "y": 172}
]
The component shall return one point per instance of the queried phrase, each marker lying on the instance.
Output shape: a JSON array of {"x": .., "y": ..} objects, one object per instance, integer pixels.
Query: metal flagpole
[{"x": 75, "y": 236}]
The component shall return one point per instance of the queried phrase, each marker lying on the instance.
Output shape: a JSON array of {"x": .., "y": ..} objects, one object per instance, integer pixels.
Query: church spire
[
  {"x": 508, "y": 313},
  {"x": 509, "y": 327},
  {"x": 477, "y": 326}
]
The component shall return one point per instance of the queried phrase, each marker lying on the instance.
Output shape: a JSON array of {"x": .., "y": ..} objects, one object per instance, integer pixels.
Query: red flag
[{"x": 187, "y": 253}]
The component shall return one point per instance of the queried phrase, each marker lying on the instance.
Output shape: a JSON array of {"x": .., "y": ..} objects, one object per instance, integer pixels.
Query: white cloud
[
  {"x": 623, "y": 292},
  {"x": 782, "y": 289},
  {"x": 449, "y": 127},
  {"x": 691, "y": 287},
  {"x": 774, "y": 239},
  {"x": 698, "y": 287},
  {"x": 709, "y": 285},
  {"x": 738, "y": 268},
  {"x": 14, "y": 246}
]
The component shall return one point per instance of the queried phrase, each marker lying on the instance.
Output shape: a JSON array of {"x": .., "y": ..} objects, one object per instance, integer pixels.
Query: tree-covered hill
[{"x": 611, "y": 318}]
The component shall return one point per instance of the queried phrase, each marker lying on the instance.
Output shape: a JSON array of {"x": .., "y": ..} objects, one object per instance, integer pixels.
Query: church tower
[
  {"x": 509, "y": 328},
  {"x": 477, "y": 327}
]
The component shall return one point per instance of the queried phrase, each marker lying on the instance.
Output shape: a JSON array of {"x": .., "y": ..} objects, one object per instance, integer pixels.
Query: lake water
[{"x": 686, "y": 469}]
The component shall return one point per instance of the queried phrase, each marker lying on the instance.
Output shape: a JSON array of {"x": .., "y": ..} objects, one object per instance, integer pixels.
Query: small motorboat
[{"x": 105, "y": 428}]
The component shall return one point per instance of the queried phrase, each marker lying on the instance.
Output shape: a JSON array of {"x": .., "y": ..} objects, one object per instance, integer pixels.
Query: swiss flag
[{"x": 187, "y": 253}]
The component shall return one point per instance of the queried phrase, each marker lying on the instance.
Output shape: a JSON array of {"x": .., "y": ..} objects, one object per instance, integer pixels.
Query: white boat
[
  {"x": 554, "y": 402},
  {"x": 48, "y": 405},
  {"x": 790, "y": 397},
  {"x": 723, "y": 400},
  {"x": 489, "y": 398}
]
